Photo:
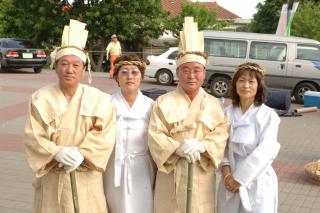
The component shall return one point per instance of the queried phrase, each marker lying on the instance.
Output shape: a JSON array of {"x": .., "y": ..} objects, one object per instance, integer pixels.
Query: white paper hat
[
  {"x": 191, "y": 45},
  {"x": 73, "y": 42}
]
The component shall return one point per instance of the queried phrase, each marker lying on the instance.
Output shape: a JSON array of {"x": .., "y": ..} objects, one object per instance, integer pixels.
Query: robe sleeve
[
  {"x": 39, "y": 149},
  {"x": 214, "y": 142},
  {"x": 161, "y": 145},
  {"x": 266, "y": 151},
  {"x": 225, "y": 160},
  {"x": 98, "y": 143}
]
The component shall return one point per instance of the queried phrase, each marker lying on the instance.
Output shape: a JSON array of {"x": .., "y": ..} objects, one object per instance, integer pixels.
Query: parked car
[
  {"x": 19, "y": 53},
  {"x": 163, "y": 66},
  {"x": 292, "y": 63}
]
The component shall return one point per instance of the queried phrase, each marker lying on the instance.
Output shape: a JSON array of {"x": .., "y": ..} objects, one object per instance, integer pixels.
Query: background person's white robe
[
  {"x": 130, "y": 173},
  {"x": 252, "y": 147}
]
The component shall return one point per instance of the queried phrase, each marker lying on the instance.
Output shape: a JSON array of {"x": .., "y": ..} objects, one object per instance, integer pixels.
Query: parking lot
[{"x": 299, "y": 138}]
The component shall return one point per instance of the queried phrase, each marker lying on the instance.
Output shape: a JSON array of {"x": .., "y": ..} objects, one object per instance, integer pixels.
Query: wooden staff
[
  {"x": 74, "y": 191},
  {"x": 189, "y": 187}
]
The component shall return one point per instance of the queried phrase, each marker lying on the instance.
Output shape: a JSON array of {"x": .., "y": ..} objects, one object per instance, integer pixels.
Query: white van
[{"x": 292, "y": 63}]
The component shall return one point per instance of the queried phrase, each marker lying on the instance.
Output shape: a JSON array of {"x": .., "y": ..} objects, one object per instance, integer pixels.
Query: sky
[{"x": 242, "y": 8}]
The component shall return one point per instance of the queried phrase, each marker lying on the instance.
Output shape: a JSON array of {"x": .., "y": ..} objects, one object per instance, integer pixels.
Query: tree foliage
[
  {"x": 268, "y": 13},
  {"x": 42, "y": 21},
  {"x": 267, "y": 16},
  {"x": 306, "y": 20},
  {"x": 33, "y": 22},
  {"x": 205, "y": 17}
]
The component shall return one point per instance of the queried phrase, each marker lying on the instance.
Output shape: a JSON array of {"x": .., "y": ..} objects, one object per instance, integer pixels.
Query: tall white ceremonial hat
[
  {"x": 73, "y": 42},
  {"x": 191, "y": 45}
]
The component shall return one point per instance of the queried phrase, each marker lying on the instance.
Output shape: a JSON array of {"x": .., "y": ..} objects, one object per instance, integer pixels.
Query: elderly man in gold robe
[
  {"x": 187, "y": 125},
  {"x": 70, "y": 127}
]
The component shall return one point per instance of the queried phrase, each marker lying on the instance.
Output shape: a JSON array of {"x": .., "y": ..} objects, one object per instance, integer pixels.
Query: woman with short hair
[
  {"x": 129, "y": 177},
  {"x": 249, "y": 183}
]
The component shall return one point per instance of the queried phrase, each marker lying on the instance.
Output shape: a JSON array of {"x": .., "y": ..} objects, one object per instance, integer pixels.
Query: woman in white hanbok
[
  {"x": 130, "y": 173},
  {"x": 248, "y": 182}
]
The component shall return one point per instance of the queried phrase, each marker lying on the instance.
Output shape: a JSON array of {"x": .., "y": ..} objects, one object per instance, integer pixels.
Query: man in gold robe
[
  {"x": 70, "y": 128},
  {"x": 187, "y": 125}
]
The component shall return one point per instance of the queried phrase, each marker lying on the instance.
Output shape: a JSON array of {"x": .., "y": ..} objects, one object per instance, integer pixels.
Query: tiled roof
[
  {"x": 174, "y": 7},
  {"x": 222, "y": 13}
]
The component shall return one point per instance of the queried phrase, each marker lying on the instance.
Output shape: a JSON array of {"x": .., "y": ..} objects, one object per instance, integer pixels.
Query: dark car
[{"x": 19, "y": 53}]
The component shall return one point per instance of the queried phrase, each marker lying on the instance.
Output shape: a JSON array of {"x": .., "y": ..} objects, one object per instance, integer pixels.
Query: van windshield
[{"x": 308, "y": 52}]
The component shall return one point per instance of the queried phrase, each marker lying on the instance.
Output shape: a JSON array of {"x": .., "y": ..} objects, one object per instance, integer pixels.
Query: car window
[
  {"x": 308, "y": 52},
  {"x": 268, "y": 51},
  {"x": 226, "y": 48},
  {"x": 173, "y": 55},
  {"x": 160, "y": 52},
  {"x": 18, "y": 44}
]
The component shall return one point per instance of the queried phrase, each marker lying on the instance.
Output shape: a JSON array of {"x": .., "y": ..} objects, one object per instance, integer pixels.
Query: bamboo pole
[
  {"x": 189, "y": 188},
  {"x": 74, "y": 192}
]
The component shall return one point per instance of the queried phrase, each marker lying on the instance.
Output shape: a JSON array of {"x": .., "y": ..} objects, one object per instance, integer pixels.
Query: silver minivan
[{"x": 292, "y": 63}]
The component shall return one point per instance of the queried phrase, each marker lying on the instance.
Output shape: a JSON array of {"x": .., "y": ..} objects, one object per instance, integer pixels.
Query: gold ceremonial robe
[
  {"x": 87, "y": 122},
  {"x": 175, "y": 118}
]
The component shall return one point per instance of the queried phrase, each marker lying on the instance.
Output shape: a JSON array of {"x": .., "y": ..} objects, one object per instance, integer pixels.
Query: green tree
[
  {"x": 306, "y": 21},
  {"x": 33, "y": 22},
  {"x": 135, "y": 22},
  {"x": 267, "y": 16},
  {"x": 315, "y": 1},
  {"x": 268, "y": 13},
  {"x": 205, "y": 17}
]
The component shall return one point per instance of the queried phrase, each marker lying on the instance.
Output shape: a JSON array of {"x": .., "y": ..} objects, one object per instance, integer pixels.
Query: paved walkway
[{"x": 299, "y": 138}]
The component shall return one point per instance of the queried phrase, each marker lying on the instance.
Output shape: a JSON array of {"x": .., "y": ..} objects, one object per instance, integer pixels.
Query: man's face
[
  {"x": 191, "y": 76},
  {"x": 70, "y": 70}
]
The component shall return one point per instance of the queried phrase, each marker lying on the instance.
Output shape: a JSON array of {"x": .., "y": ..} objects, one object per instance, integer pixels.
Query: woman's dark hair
[
  {"x": 254, "y": 70},
  {"x": 129, "y": 60}
]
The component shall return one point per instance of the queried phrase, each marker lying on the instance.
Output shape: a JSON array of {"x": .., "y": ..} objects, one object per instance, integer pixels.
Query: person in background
[
  {"x": 130, "y": 173},
  {"x": 114, "y": 50},
  {"x": 70, "y": 127},
  {"x": 187, "y": 125},
  {"x": 249, "y": 183}
]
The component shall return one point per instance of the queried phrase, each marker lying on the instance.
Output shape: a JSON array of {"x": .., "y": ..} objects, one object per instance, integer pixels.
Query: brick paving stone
[
  {"x": 298, "y": 137},
  {"x": 304, "y": 210},
  {"x": 314, "y": 211}
]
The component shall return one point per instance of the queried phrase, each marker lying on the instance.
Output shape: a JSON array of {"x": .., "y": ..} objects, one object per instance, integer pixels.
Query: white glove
[
  {"x": 180, "y": 152},
  {"x": 64, "y": 156},
  {"x": 193, "y": 148},
  {"x": 78, "y": 158},
  {"x": 193, "y": 145}
]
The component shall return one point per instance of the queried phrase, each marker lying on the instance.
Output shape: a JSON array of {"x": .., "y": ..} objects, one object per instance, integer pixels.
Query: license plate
[{"x": 27, "y": 55}]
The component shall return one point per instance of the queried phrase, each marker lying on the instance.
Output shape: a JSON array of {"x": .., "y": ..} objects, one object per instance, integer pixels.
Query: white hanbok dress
[
  {"x": 252, "y": 147},
  {"x": 130, "y": 173}
]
